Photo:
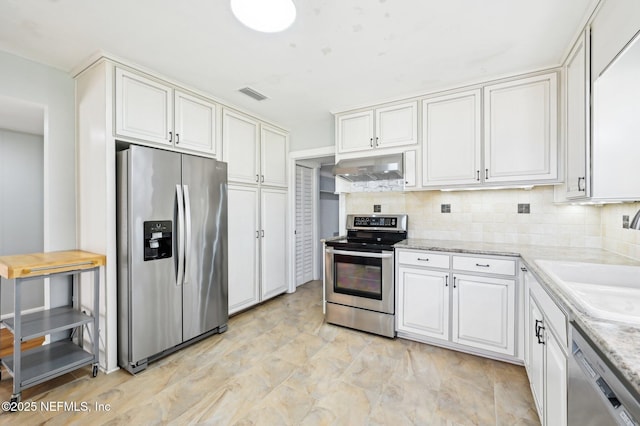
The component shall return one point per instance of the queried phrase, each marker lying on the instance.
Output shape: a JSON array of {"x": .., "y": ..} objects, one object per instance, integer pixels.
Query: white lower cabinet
[
  {"x": 273, "y": 235},
  {"x": 546, "y": 357},
  {"x": 470, "y": 312},
  {"x": 423, "y": 302},
  {"x": 257, "y": 263},
  {"x": 484, "y": 313}
]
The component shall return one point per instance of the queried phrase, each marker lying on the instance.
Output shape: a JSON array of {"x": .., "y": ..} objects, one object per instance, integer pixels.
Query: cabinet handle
[
  {"x": 423, "y": 259},
  {"x": 540, "y": 336},
  {"x": 523, "y": 269},
  {"x": 170, "y": 136},
  {"x": 262, "y": 179},
  {"x": 257, "y": 234},
  {"x": 177, "y": 138},
  {"x": 376, "y": 141},
  {"x": 537, "y": 327},
  {"x": 257, "y": 178},
  {"x": 486, "y": 174},
  {"x": 580, "y": 188},
  {"x": 371, "y": 142},
  {"x": 446, "y": 280},
  {"x": 262, "y": 233},
  {"x": 483, "y": 266},
  {"x": 478, "y": 175},
  {"x": 454, "y": 282}
]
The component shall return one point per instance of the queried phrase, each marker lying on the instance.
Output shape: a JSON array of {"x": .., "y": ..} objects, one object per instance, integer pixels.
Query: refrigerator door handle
[
  {"x": 187, "y": 223},
  {"x": 180, "y": 201}
]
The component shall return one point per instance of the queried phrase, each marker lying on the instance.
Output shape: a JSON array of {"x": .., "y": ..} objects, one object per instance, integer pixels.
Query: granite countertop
[
  {"x": 620, "y": 342},
  {"x": 338, "y": 237}
]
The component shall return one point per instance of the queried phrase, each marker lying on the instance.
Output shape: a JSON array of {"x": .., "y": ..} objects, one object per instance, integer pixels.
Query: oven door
[{"x": 361, "y": 279}]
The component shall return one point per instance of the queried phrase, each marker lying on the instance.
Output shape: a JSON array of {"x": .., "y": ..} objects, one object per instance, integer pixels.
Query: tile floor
[{"x": 280, "y": 364}]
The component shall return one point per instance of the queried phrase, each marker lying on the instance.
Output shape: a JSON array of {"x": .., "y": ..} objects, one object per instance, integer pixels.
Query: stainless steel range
[{"x": 359, "y": 273}]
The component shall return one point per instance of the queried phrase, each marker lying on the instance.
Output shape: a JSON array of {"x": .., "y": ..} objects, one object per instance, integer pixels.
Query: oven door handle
[{"x": 362, "y": 254}]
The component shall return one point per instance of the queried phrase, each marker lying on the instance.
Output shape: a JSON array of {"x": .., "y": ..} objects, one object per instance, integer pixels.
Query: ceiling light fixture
[{"x": 267, "y": 16}]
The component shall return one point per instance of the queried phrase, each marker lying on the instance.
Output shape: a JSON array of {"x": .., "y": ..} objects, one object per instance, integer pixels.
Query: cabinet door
[
  {"x": 521, "y": 130},
  {"x": 577, "y": 116},
  {"x": 273, "y": 242},
  {"x": 536, "y": 356},
  {"x": 240, "y": 147},
  {"x": 144, "y": 108},
  {"x": 555, "y": 402},
  {"x": 484, "y": 313},
  {"x": 397, "y": 125},
  {"x": 243, "y": 225},
  {"x": 451, "y": 139},
  {"x": 195, "y": 121},
  {"x": 410, "y": 169},
  {"x": 355, "y": 131},
  {"x": 423, "y": 302},
  {"x": 273, "y": 156}
]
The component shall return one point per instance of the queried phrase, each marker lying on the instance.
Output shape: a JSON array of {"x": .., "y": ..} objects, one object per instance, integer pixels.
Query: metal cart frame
[{"x": 46, "y": 362}]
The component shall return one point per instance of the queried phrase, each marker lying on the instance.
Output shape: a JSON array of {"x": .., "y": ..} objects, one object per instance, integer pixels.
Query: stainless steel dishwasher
[{"x": 596, "y": 395}]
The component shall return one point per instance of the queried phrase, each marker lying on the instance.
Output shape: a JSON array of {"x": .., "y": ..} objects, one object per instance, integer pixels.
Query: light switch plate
[{"x": 377, "y": 208}]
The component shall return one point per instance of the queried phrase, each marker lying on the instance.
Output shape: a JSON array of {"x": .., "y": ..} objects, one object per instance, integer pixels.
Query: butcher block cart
[{"x": 31, "y": 367}]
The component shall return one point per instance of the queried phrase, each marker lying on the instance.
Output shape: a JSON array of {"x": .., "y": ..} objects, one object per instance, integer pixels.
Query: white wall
[
  {"x": 54, "y": 90},
  {"x": 21, "y": 208},
  {"x": 312, "y": 135}
]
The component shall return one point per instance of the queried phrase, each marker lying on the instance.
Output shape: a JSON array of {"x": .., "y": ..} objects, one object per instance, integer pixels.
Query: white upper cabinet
[
  {"x": 195, "y": 123},
  {"x": 273, "y": 156},
  {"x": 240, "y": 136},
  {"x": 155, "y": 113},
  {"x": 144, "y": 108},
  {"x": 385, "y": 127},
  {"x": 577, "y": 119},
  {"x": 452, "y": 139},
  {"x": 255, "y": 152},
  {"x": 397, "y": 125},
  {"x": 355, "y": 131},
  {"x": 521, "y": 130}
]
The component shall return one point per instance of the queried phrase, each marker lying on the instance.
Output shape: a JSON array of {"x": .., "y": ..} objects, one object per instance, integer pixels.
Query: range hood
[{"x": 385, "y": 167}]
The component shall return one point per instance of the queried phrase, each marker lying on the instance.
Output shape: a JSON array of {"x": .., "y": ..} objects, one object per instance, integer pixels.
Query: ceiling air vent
[{"x": 253, "y": 94}]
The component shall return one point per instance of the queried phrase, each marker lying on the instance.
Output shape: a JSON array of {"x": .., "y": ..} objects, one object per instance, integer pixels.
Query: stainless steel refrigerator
[{"x": 172, "y": 252}]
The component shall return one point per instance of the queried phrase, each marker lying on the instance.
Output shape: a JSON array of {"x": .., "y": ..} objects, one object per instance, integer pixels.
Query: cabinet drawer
[
  {"x": 417, "y": 258},
  {"x": 554, "y": 316},
  {"x": 485, "y": 264}
]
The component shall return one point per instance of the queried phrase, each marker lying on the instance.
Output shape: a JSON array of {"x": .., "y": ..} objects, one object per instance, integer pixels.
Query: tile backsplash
[
  {"x": 492, "y": 216},
  {"x": 616, "y": 239}
]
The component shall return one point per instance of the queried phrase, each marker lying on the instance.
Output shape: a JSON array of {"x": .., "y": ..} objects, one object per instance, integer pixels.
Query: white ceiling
[{"x": 339, "y": 53}]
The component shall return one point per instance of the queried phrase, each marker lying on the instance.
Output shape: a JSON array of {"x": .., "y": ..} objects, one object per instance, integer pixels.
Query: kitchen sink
[{"x": 610, "y": 292}]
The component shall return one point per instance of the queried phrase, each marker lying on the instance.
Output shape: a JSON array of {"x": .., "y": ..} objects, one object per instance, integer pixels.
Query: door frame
[{"x": 294, "y": 158}]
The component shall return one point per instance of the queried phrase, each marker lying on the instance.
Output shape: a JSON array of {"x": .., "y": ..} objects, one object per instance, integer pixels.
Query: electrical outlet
[
  {"x": 625, "y": 221},
  {"x": 445, "y": 208},
  {"x": 377, "y": 208},
  {"x": 524, "y": 208}
]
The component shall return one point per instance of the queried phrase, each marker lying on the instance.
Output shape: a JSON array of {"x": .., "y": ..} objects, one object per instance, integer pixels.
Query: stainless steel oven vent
[
  {"x": 253, "y": 93},
  {"x": 384, "y": 167}
]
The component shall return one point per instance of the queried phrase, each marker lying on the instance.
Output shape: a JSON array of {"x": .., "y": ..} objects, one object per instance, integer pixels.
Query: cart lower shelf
[{"x": 49, "y": 361}]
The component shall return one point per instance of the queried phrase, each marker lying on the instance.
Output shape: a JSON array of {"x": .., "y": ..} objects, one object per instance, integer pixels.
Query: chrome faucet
[{"x": 635, "y": 223}]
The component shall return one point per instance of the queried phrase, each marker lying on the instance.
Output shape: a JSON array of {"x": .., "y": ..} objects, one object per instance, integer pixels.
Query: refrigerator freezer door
[
  {"x": 155, "y": 301},
  {"x": 205, "y": 304}
]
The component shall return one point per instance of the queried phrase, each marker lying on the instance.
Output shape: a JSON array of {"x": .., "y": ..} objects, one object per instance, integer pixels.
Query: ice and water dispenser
[{"x": 157, "y": 239}]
